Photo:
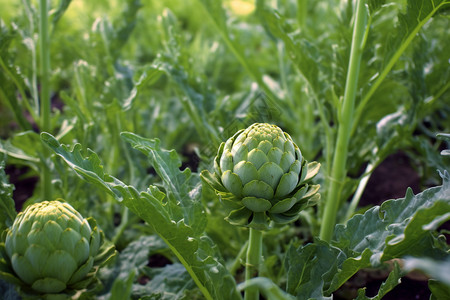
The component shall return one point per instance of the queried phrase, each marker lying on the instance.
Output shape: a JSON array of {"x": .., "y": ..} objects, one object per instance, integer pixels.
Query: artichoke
[
  {"x": 52, "y": 250},
  {"x": 261, "y": 176}
]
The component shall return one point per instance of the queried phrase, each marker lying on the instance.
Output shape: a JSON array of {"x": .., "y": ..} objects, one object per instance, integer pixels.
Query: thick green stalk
[
  {"x": 302, "y": 9},
  {"x": 338, "y": 172},
  {"x": 254, "y": 253},
  {"x": 44, "y": 54}
]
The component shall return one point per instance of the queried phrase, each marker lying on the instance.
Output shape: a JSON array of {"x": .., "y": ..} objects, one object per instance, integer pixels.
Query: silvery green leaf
[{"x": 193, "y": 248}]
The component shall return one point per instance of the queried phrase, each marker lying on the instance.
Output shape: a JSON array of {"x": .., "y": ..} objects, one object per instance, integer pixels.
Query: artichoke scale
[
  {"x": 257, "y": 157},
  {"x": 257, "y": 188},
  {"x": 287, "y": 184},
  {"x": 239, "y": 217},
  {"x": 232, "y": 183},
  {"x": 256, "y": 204},
  {"x": 48, "y": 285},
  {"x": 283, "y": 205},
  {"x": 271, "y": 174}
]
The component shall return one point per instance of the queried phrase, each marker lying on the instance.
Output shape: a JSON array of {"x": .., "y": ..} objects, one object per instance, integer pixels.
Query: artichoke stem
[
  {"x": 45, "y": 105},
  {"x": 254, "y": 253},
  {"x": 339, "y": 172}
]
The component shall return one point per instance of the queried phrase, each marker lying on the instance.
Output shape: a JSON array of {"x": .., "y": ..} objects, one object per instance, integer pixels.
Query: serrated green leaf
[
  {"x": 398, "y": 228},
  {"x": 395, "y": 228},
  {"x": 24, "y": 147},
  {"x": 217, "y": 276},
  {"x": 209, "y": 273},
  {"x": 310, "y": 269},
  {"x": 416, "y": 238},
  {"x": 7, "y": 207},
  {"x": 149, "y": 75},
  {"x": 121, "y": 288},
  {"x": 170, "y": 282},
  {"x": 180, "y": 184},
  {"x": 391, "y": 282},
  {"x": 134, "y": 257},
  {"x": 349, "y": 268},
  {"x": 90, "y": 169},
  {"x": 417, "y": 14}
]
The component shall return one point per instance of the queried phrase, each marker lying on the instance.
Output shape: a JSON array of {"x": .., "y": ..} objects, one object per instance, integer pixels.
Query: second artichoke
[{"x": 52, "y": 250}]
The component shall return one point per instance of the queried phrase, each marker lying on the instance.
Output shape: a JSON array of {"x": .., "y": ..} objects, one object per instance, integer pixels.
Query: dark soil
[{"x": 390, "y": 180}]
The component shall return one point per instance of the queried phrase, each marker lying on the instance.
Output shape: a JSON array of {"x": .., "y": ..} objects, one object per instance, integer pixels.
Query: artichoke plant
[
  {"x": 260, "y": 175},
  {"x": 52, "y": 250}
]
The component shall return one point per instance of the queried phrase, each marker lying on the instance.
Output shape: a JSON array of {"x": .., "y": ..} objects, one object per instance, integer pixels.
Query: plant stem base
[{"x": 254, "y": 253}]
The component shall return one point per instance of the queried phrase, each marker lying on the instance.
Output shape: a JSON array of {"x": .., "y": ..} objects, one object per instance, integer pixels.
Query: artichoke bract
[
  {"x": 52, "y": 249},
  {"x": 261, "y": 176}
]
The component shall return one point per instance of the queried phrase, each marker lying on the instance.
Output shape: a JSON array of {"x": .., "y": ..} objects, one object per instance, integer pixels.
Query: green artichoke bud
[
  {"x": 51, "y": 249},
  {"x": 261, "y": 176}
]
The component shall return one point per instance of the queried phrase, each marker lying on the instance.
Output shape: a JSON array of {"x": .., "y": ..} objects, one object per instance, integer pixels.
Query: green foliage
[
  {"x": 435, "y": 268},
  {"x": 181, "y": 229},
  {"x": 8, "y": 210},
  {"x": 187, "y": 75},
  {"x": 397, "y": 228},
  {"x": 131, "y": 278},
  {"x": 8, "y": 291},
  {"x": 392, "y": 281}
]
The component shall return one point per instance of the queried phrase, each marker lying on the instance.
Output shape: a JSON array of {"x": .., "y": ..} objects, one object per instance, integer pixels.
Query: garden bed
[{"x": 232, "y": 149}]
